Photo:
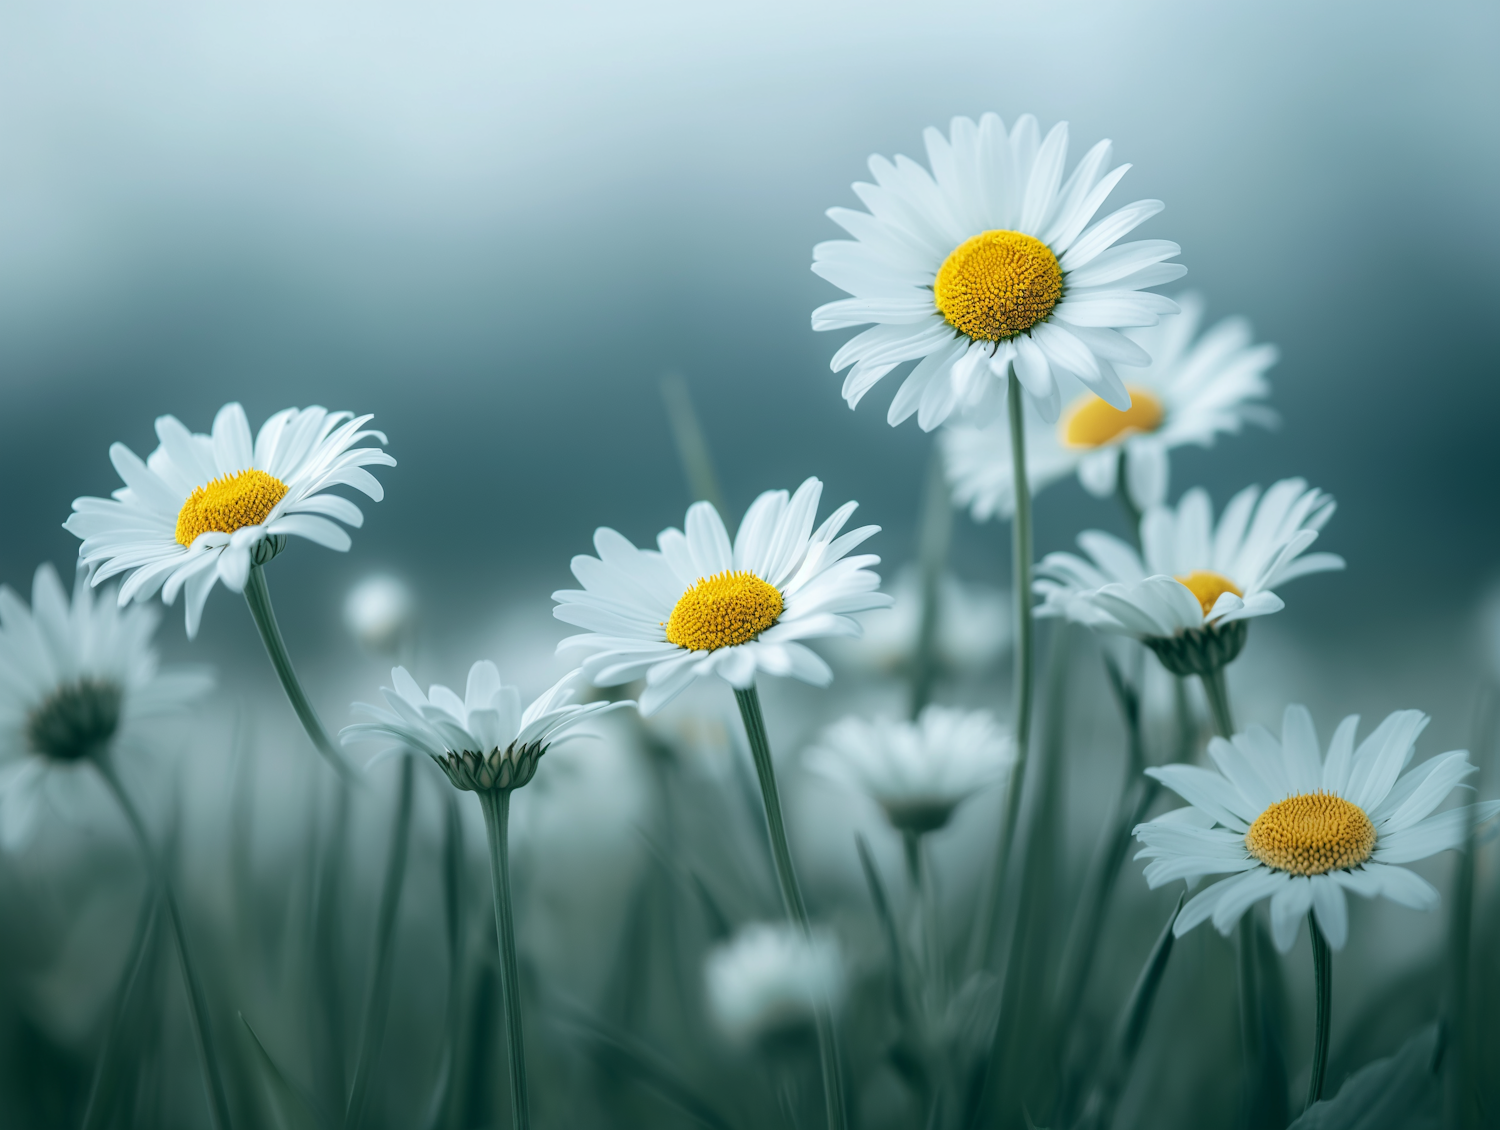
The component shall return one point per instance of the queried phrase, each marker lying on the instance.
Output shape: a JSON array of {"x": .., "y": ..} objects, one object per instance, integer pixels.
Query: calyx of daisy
[
  {"x": 498, "y": 770},
  {"x": 77, "y": 720},
  {"x": 724, "y": 610},
  {"x": 224, "y": 505},
  {"x": 1208, "y": 586},
  {"x": 998, "y": 284},
  {"x": 1091, "y": 422},
  {"x": 1311, "y": 834},
  {"x": 918, "y": 816},
  {"x": 1200, "y": 651}
]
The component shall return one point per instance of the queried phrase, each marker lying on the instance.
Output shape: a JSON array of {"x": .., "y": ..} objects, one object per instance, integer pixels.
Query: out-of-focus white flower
[
  {"x": 918, "y": 772},
  {"x": 74, "y": 677},
  {"x": 769, "y": 978},
  {"x": 380, "y": 613},
  {"x": 201, "y": 508},
  {"x": 1301, "y": 829},
  {"x": 973, "y": 627},
  {"x": 482, "y": 741},
  {"x": 1190, "y": 393},
  {"x": 989, "y": 264},
  {"x": 697, "y": 606}
]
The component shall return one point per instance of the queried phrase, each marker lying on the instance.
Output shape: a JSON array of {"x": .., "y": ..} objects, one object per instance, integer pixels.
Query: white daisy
[
  {"x": 75, "y": 676},
  {"x": 201, "y": 508},
  {"x": 1190, "y": 393},
  {"x": 1192, "y": 576},
  {"x": 769, "y": 978},
  {"x": 984, "y": 265},
  {"x": 1300, "y": 828},
  {"x": 482, "y": 741},
  {"x": 918, "y": 772},
  {"x": 697, "y": 606}
]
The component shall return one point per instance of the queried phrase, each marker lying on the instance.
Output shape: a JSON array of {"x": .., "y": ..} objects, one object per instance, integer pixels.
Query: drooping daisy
[
  {"x": 918, "y": 772},
  {"x": 771, "y": 978},
  {"x": 1300, "y": 828},
  {"x": 75, "y": 675},
  {"x": 988, "y": 264},
  {"x": 699, "y": 606},
  {"x": 1189, "y": 594},
  {"x": 483, "y": 741},
  {"x": 1190, "y": 393},
  {"x": 203, "y": 508}
]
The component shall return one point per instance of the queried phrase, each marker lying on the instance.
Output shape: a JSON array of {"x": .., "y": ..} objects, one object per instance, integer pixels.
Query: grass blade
[
  {"x": 290, "y": 1107},
  {"x": 110, "y": 1071}
]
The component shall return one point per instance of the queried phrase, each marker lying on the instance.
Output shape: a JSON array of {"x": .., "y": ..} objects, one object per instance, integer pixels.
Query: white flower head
[
  {"x": 698, "y": 605},
  {"x": 1192, "y": 391},
  {"x": 918, "y": 772},
  {"x": 380, "y": 613},
  {"x": 483, "y": 740},
  {"x": 770, "y": 978},
  {"x": 1300, "y": 828},
  {"x": 201, "y": 508},
  {"x": 75, "y": 676},
  {"x": 988, "y": 265}
]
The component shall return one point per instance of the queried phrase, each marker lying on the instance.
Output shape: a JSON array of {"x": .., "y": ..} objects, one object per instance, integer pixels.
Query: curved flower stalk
[
  {"x": 486, "y": 744},
  {"x": 204, "y": 509}
]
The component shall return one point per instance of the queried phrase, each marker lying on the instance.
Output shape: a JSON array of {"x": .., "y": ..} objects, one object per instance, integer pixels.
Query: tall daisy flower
[
  {"x": 201, "y": 509},
  {"x": 486, "y": 744},
  {"x": 1194, "y": 389},
  {"x": 1292, "y": 825},
  {"x": 988, "y": 264}
]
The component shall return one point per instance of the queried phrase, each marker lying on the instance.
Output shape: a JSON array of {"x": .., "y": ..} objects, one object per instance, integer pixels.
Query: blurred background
[{"x": 497, "y": 226}]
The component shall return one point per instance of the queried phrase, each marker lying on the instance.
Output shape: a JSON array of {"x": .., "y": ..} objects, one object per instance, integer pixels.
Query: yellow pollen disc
[
  {"x": 997, "y": 285},
  {"x": 1208, "y": 587},
  {"x": 1311, "y": 834},
  {"x": 1090, "y": 422},
  {"x": 722, "y": 611},
  {"x": 243, "y": 499}
]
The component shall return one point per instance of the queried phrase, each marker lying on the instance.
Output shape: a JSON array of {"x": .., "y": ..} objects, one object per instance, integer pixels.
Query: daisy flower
[
  {"x": 1192, "y": 391},
  {"x": 1300, "y": 828},
  {"x": 1190, "y": 592},
  {"x": 483, "y": 741},
  {"x": 75, "y": 677},
  {"x": 918, "y": 772},
  {"x": 204, "y": 508},
  {"x": 989, "y": 264},
  {"x": 698, "y": 606},
  {"x": 767, "y": 979}
]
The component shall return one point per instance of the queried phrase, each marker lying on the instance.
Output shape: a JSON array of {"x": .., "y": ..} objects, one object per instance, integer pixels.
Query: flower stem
[
  {"x": 218, "y": 1100},
  {"x": 791, "y": 893},
  {"x": 1218, "y": 702},
  {"x": 935, "y": 533},
  {"x": 496, "y": 805},
  {"x": 258, "y": 597},
  {"x": 1323, "y": 976}
]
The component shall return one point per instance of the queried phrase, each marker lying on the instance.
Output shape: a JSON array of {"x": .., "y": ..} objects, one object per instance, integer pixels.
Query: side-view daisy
[
  {"x": 1300, "y": 828},
  {"x": 698, "y": 606},
  {"x": 204, "y": 508},
  {"x": 75, "y": 677},
  {"x": 987, "y": 264},
  {"x": 1190, "y": 393},
  {"x": 1193, "y": 586},
  {"x": 769, "y": 979}
]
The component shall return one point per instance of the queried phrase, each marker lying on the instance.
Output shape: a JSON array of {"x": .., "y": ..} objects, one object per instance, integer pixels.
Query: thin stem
[
  {"x": 1218, "y": 702},
  {"x": 218, "y": 1100},
  {"x": 258, "y": 597},
  {"x": 1323, "y": 976},
  {"x": 1127, "y": 504},
  {"x": 791, "y": 892},
  {"x": 378, "y": 995},
  {"x": 936, "y": 531},
  {"x": 1250, "y": 1023},
  {"x": 496, "y": 805},
  {"x": 982, "y": 939}
]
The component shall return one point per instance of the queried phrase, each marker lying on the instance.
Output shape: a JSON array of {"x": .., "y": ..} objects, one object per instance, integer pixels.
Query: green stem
[
  {"x": 378, "y": 995},
  {"x": 791, "y": 892},
  {"x": 1127, "y": 504},
  {"x": 218, "y": 1100},
  {"x": 496, "y": 806},
  {"x": 1218, "y": 702},
  {"x": 1250, "y": 1021},
  {"x": 982, "y": 939},
  {"x": 1323, "y": 976},
  {"x": 258, "y": 597},
  {"x": 936, "y": 531}
]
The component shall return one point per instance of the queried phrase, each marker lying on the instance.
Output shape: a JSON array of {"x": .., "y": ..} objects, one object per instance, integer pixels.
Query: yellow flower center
[
  {"x": 722, "y": 611},
  {"x": 1311, "y": 834},
  {"x": 242, "y": 499},
  {"x": 997, "y": 285},
  {"x": 1208, "y": 586},
  {"x": 1090, "y": 422}
]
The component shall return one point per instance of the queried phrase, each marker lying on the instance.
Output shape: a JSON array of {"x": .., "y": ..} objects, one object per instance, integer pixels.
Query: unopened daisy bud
[
  {"x": 380, "y": 613},
  {"x": 507, "y": 768},
  {"x": 769, "y": 981}
]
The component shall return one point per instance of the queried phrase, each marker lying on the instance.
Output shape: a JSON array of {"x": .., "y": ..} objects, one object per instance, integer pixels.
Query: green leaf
[
  {"x": 123, "y": 1036},
  {"x": 1399, "y": 1093},
  {"x": 289, "y": 1106}
]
